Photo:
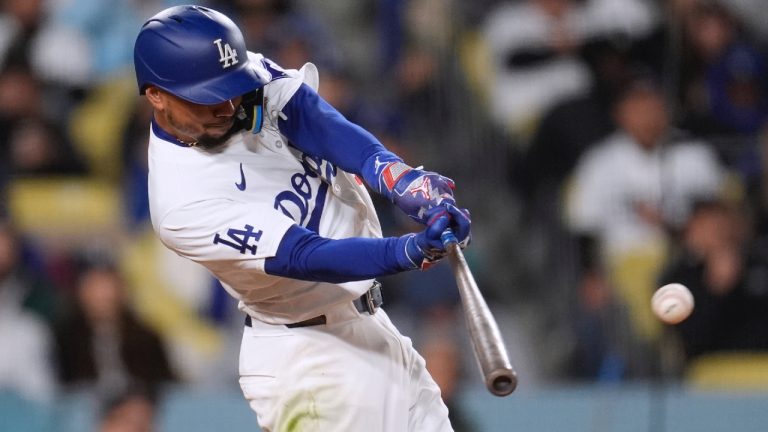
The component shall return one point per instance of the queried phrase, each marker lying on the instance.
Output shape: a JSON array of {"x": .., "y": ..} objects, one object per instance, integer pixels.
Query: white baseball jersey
[{"x": 228, "y": 209}]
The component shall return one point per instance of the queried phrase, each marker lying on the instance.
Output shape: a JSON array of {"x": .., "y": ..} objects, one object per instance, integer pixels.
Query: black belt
[{"x": 366, "y": 303}]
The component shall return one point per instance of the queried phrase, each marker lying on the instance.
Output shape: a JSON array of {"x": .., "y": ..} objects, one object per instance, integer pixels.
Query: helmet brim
[{"x": 221, "y": 88}]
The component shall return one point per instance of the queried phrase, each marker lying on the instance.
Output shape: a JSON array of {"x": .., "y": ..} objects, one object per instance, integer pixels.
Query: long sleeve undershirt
[{"x": 305, "y": 255}]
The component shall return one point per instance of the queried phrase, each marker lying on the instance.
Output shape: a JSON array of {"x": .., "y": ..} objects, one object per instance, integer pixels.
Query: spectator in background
[
  {"x": 39, "y": 148},
  {"x": 19, "y": 100},
  {"x": 133, "y": 410},
  {"x": 105, "y": 31},
  {"x": 642, "y": 180},
  {"x": 535, "y": 52},
  {"x": 282, "y": 32},
  {"x": 102, "y": 345},
  {"x": 25, "y": 363},
  {"x": 725, "y": 74},
  {"x": 726, "y": 92},
  {"x": 727, "y": 274},
  {"x": 603, "y": 349},
  {"x": 54, "y": 53},
  {"x": 754, "y": 15},
  {"x": 23, "y": 271},
  {"x": 629, "y": 191},
  {"x": 31, "y": 143},
  {"x": 570, "y": 127},
  {"x": 20, "y": 21}
]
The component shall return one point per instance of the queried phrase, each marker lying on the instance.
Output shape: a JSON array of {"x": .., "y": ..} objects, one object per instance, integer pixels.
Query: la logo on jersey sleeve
[{"x": 242, "y": 240}]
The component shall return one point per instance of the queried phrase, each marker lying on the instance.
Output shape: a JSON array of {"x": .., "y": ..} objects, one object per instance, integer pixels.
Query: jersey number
[{"x": 239, "y": 238}]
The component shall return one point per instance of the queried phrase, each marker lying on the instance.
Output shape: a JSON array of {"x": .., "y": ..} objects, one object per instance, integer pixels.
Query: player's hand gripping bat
[{"x": 490, "y": 352}]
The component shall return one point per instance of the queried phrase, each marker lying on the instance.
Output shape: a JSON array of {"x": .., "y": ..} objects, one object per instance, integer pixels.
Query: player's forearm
[{"x": 304, "y": 255}]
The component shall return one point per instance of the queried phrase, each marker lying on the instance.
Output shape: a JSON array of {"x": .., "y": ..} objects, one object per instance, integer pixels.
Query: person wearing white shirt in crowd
[
  {"x": 25, "y": 340},
  {"x": 534, "y": 49}
]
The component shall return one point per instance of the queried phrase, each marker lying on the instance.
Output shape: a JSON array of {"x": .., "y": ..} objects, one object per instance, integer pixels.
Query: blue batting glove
[
  {"x": 414, "y": 190},
  {"x": 427, "y": 247},
  {"x": 460, "y": 224}
]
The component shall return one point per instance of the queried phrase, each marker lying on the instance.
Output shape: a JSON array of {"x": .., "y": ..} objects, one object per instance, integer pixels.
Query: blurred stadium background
[{"x": 605, "y": 147}]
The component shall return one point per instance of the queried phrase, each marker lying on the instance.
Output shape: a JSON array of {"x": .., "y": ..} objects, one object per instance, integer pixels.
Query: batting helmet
[{"x": 195, "y": 53}]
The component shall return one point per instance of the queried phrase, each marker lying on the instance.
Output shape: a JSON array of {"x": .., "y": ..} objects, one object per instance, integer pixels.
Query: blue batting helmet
[{"x": 195, "y": 53}]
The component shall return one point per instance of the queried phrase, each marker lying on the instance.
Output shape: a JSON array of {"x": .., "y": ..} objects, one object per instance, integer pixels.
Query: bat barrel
[{"x": 490, "y": 352}]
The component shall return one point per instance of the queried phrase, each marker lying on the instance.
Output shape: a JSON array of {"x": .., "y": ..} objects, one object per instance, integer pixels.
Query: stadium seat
[
  {"x": 72, "y": 208},
  {"x": 97, "y": 125},
  {"x": 729, "y": 371}
]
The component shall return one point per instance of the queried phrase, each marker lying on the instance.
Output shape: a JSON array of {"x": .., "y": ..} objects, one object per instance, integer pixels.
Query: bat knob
[
  {"x": 447, "y": 238},
  {"x": 502, "y": 383}
]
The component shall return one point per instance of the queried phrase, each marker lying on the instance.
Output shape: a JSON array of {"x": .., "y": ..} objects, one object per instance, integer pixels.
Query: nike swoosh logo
[{"x": 241, "y": 185}]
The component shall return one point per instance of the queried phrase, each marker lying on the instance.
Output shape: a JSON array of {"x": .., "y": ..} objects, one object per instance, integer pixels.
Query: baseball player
[{"x": 254, "y": 176}]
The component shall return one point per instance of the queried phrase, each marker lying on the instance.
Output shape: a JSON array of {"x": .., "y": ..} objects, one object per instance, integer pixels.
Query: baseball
[{"x": 672, "y": 303}]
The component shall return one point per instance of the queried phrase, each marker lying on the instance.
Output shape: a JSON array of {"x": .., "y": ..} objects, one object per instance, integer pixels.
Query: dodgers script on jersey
[{"x": 264, "y": 196}]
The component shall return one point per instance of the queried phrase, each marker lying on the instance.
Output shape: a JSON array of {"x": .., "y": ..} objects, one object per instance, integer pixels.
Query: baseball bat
[{"x": 490, "y": 352}]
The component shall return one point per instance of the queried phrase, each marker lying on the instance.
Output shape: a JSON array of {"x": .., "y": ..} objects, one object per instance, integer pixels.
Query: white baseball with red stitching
[{"x": 672, "y": 303}]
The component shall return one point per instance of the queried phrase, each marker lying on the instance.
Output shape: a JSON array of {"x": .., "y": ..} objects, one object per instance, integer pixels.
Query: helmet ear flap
[{"x": 250, "y": 114}]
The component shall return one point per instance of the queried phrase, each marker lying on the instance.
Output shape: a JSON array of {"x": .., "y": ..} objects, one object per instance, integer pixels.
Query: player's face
[{"x": 205, "y": 125}]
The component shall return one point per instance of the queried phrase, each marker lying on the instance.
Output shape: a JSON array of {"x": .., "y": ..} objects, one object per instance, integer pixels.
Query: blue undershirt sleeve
[
  {"x": 315, "y": 127},
  {"x": 304, "y": 255}
]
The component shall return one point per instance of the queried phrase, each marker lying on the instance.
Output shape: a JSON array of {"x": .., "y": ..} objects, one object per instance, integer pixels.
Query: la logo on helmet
[{"x": 227, "y": 55}]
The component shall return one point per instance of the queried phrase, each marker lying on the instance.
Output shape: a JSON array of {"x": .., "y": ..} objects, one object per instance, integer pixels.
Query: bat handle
[{"x": 447, "y": 237}]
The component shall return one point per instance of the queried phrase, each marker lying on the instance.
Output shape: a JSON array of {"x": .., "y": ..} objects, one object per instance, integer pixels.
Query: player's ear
[{"x": 155, "y": 97}]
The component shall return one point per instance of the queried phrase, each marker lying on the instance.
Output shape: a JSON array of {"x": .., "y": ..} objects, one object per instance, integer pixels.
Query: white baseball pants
[{"x": 355, "y": 373}]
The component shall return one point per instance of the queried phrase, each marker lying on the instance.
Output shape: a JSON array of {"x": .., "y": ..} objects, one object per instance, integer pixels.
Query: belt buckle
[{"x": 369, "y": 300}]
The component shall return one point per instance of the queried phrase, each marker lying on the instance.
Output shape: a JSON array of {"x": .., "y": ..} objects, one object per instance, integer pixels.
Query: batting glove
[
  {"x": 426, "y": 248},
  {"x": 414, "y": 190}
]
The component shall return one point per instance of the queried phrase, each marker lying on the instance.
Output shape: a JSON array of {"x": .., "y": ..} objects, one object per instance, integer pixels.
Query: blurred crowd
[
  {"x": 605, "y": 147},
  {"x": 641, "y": 163}
]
